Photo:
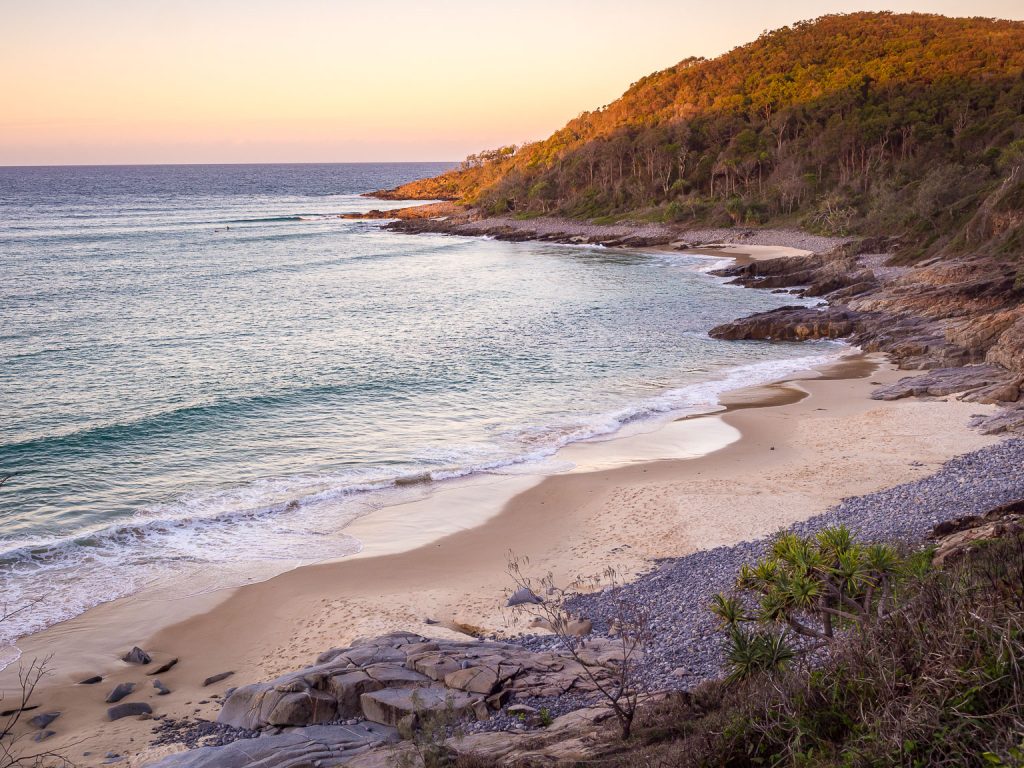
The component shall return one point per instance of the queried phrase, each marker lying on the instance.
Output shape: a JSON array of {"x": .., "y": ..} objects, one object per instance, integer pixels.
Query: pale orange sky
[{"x": 172, "y": 81}]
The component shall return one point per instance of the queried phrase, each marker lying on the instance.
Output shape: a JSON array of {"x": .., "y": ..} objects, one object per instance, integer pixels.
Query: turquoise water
[{"x": 202, "y": 369}]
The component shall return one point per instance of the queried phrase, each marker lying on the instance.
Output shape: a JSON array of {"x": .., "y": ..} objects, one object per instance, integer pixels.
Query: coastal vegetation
[
  {"x": 870, "y": 123},
  {"x": 938, "y": 681},
  {"x": 805, "y": 587}
]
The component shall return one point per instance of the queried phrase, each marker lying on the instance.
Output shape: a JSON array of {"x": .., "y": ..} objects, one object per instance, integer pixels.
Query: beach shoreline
[
  {"x": 771, "y": 455},
  {"x": 625, "y": 512}
]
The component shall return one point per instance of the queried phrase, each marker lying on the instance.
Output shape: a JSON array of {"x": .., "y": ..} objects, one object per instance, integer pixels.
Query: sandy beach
[{"x": 776, "y": 454}]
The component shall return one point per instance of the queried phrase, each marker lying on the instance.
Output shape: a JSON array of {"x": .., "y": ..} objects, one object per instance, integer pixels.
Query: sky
[{"x": 228, "y": 81}]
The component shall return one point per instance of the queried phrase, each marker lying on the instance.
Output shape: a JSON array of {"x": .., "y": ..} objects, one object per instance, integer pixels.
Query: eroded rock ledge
[
  {"x": 961, "y": 319},
  {"x": 389, "y": 678},
  {"x": 368, "y": 694}
]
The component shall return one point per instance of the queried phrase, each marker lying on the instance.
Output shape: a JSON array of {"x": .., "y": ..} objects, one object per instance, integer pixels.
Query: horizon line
[{"x": 157, "y": 165}]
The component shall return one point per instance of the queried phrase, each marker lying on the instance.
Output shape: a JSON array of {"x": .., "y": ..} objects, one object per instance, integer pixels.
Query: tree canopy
[{"x": 874, "y": 122}]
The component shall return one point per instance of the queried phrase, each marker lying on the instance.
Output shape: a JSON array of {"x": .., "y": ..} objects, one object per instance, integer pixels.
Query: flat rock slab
[
  {"x": 320, "y": 745},
  {"x": 390, "y": 705},
  {"x": 943, "y": 381}
]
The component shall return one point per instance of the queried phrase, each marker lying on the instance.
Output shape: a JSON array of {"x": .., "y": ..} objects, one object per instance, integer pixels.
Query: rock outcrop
[
  {"x": 793, "y": 323},
  {"x": 389, "y": 678},
  {"x": 961, "y": 315}
]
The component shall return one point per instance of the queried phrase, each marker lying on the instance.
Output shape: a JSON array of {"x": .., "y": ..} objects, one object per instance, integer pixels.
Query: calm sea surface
[{"x": 202, "y": 370}]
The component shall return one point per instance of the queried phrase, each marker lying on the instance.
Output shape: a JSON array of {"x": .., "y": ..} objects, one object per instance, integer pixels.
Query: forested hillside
[{"x": 908, "y": 125}]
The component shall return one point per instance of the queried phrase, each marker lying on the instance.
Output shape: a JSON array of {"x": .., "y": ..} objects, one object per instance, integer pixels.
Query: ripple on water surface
[{"x": 207, "y": 376}]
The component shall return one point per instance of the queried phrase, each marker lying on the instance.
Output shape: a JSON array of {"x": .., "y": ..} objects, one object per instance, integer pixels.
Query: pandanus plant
[{"x": 808, "y": 586}]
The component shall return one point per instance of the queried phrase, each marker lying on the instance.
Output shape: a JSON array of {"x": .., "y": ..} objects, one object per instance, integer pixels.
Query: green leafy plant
[{"x": 806, "y": 586}]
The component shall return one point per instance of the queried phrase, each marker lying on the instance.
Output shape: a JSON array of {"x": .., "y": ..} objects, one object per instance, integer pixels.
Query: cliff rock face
[{"x": 791, "y": 324}]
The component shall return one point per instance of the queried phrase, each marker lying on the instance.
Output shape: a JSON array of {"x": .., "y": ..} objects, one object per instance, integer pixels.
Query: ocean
[{"x": 204, "y": 371}]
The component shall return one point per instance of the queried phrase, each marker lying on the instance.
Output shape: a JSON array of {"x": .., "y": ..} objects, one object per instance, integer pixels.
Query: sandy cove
[{"x": 785, "y": 453}]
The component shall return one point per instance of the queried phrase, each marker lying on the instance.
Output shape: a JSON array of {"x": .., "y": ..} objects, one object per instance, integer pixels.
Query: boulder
[
  {"x": 480, "y": 680},
  {"x": 331, "y": 655},
  {"x": 435, "y": 665},
  {"x": 120, "y": 691},
  {"x": 129, "y": 709},
  {"x": 395, "y": 675},
  {"x": 347, "y": 687},
  {"x": 373, "y": 654},
  {"x": 523, "y": 596},
  {"x": 91, "y": 680},
  {"x": 249, "y": 705},
  {"x": 136, "y": 656}
]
